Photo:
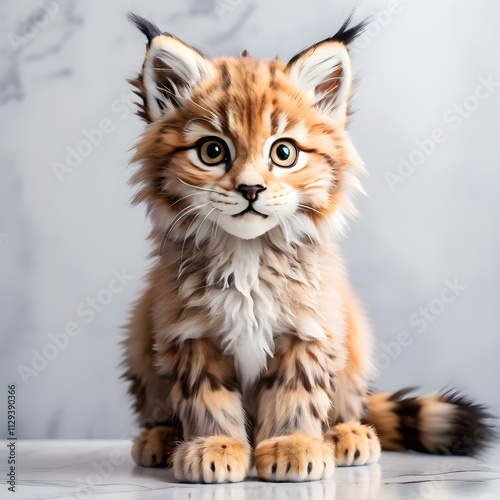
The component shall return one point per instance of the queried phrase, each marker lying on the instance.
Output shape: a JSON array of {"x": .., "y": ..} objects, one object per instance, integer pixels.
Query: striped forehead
[
  {"x": 249, "y": 96},
  {"x": 201, "y": 126},
  {"x": 249, "y": 104}
]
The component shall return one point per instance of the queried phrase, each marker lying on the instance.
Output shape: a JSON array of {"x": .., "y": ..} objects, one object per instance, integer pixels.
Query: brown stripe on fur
[
  {"x": 293, "y": 396},
  {"x": 206, "y": 396},
  {"x": 225, "y": 78},
  {"x": 142, "y": 111},
  {"x": 272, "y": 75},
  {"x": 445, "y": 423},
  {"x": 275, "y": 117}
]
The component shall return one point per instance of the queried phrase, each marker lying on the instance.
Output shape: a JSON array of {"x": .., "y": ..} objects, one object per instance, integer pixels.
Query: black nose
[{"x": 250, "y": 192}]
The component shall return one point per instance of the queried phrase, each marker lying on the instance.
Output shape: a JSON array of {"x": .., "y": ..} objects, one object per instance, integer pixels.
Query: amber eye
[
  {"x": 212, "y": 151},
  {"x": 284, "y": 153}
]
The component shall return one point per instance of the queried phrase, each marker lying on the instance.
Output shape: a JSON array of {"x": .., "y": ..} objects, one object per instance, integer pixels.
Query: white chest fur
[{"x": 246, "y": 309}]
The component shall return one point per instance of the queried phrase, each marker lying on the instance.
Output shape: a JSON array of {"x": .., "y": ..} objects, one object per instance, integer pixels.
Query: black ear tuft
[
  {"x": 147, "y": 27},
  {"x": 347, "y": 34}
]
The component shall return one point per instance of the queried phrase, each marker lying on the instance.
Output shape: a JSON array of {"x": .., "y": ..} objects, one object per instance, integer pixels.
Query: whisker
[
  {"x": 291, "y": 191},
  {"x": 217, "y": 224},
  {"x": 313, "y": 209},
  {"x": 305, "y": 232},
  {"x": 178, "y": 220},
  {"x": 163, "y": 241},
  {"x": 196, "y": 235},
  {"x": 186, "y": 236},
  {"x": 287, "y": 223},
  {"x": 183, "y": 213},
  {"x": 200, "y": 188},
  {"x": 183, "y": 198},
  {"x": 283, "y": 226},
  {"x": 178, "y": 217}
]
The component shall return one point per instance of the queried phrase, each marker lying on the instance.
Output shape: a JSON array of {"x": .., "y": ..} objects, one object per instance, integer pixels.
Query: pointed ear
[
  {"x": 171, "y": 69},
  {"x": 323, "y": 72},
  {"x": 170, "y": 72}
]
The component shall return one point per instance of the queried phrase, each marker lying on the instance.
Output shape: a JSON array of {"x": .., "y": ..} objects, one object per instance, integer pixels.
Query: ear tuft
[
  {"x": 170, "y": 71},
  {"x": 323, "y": 71},
  {"x": 347, "y": 34},
  {"x": 146, "y": 27}
]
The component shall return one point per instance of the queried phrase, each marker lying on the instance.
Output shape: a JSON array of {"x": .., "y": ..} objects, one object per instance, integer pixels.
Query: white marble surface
[
  {"x": 61, "y": 241},
  {"x": 104, "y": 469}
]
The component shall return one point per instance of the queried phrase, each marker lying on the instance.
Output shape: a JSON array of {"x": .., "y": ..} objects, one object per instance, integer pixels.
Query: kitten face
[{"x": 241, "y": 144}]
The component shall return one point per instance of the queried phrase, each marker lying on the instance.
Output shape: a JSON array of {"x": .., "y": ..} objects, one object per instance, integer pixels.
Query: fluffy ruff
[{"x": 248, "y": 340}]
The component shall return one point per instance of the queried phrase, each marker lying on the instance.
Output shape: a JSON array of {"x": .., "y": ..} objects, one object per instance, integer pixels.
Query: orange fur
[
  {"x": 248, "y": 331},
  {"x": 296, "y": 457}
]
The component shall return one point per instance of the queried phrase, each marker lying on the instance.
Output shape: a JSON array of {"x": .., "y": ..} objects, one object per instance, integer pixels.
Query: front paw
[
  {"x": 355, "y": 443},
  {"x": 214, "y": 459},
  {"x": 298, "y": 457}
]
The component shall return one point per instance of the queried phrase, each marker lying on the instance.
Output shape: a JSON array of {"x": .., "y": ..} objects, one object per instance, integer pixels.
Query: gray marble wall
[{"x": 423, "y": 255}]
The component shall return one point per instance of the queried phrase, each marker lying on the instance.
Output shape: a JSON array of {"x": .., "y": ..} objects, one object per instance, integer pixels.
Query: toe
[
  {"x": 153, "y": 447},
  {"x": 215, "y": 459},
  {"x": 297, "y": 457},
  {"x": 354, "y": 443}
]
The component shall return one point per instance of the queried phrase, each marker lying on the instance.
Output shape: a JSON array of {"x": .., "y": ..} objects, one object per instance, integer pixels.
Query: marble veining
[
  {"x": 78, "y": 469},
  {"x": 63, "y": 69}
]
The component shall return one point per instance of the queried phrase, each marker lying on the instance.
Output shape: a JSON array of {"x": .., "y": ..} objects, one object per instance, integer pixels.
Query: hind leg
[
  {"x": 154, "y": 447},
  {"x": 354, "y": 443},
  {"x": 149, "y": 390}
]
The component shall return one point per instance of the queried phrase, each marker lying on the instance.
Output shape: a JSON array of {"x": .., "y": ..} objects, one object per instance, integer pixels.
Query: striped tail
[{"x": 444, "y": 423}]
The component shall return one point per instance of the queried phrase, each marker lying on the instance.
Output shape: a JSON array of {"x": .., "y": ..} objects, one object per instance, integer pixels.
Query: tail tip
[{"x": 473, "y": 427}]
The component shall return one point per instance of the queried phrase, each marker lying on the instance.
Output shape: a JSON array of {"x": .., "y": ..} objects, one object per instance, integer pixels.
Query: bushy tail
[{"x": 444, "y": 423}]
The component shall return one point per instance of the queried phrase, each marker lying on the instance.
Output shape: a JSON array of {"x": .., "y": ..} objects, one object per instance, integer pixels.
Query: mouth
[{"x": 250, "y": 210}]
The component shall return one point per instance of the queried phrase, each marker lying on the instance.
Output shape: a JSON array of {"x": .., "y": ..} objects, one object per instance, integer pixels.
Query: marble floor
[{"x": 105, "y": 470}]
